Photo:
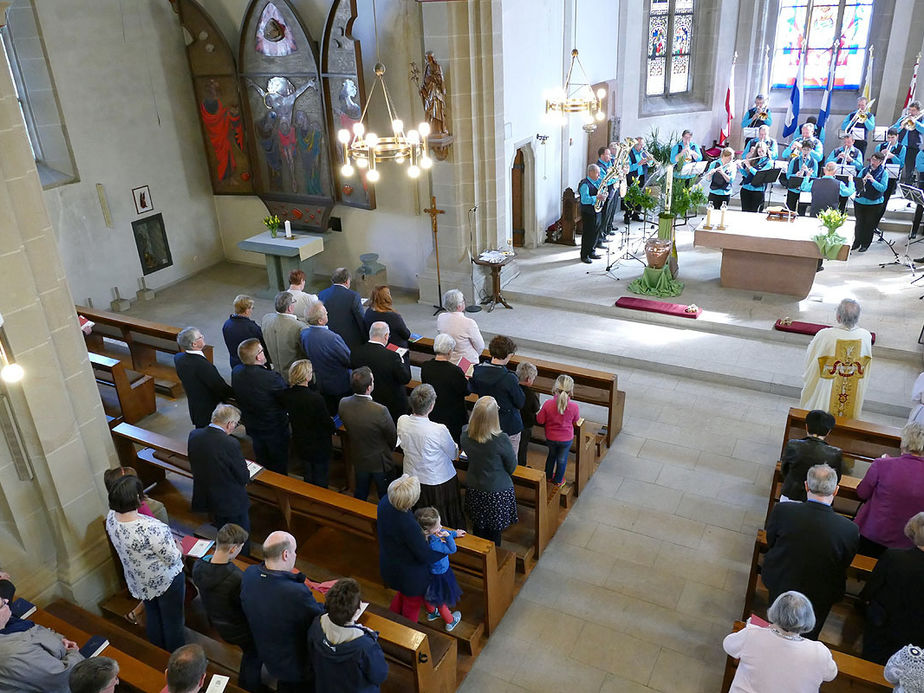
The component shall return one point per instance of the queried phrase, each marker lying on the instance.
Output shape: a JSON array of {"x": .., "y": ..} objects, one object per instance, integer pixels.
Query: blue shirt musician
[
  {"x": 605, "y": 163},
  {"x": 867, "y": 205},
  {"x": 845, "y": 190},
  {"x": 757, "y": 115},
  {"x": 589, "y": 191},
  {"x": 804, "y": 166},
  {"x": 894, "y": 154},
  {"x": 860, "y": 118},
  {"x": 721, "y": 176},
  {"x": 919, "y": 211},
  {"x": 805, "y": 141},
  {"x": 763, "y": 137},
  {"x": 910, "y": 127},
  {"x": 847, "y": 155},
  {"x": 684, "y": 152},
  {"x": 639, "y": 160},
  {"x": 752, "y": 196}
]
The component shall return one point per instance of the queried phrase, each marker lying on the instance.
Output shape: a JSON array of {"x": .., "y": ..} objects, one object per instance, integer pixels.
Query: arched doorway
[{"x": 517, "y": 173}]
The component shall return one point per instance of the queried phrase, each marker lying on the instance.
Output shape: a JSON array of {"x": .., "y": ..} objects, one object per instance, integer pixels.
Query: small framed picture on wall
[{"x": 143, "y": 202}]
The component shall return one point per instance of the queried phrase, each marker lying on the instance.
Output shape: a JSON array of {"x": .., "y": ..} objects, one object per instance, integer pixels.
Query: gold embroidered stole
[{"x": 846, "y": 368}]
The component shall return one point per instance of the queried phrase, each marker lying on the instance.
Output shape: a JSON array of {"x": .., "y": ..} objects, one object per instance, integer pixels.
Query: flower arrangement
[
  {"x": 832, "y": 219},
  {"x": 272, "y": 223},
  {"x": 829, "y": 242}
]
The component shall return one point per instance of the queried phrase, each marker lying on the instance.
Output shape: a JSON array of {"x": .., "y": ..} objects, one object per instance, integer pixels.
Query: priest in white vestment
[{"x": 837, "y": 365}]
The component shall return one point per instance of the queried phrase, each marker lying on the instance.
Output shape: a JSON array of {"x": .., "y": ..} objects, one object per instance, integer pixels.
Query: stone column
[
  {"x": 51, "y": 533},
  {"x": 466, "y": 39}
]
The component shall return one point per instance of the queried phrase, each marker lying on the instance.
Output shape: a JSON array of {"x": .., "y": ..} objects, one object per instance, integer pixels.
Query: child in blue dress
[{"x": 443, "y": 591}]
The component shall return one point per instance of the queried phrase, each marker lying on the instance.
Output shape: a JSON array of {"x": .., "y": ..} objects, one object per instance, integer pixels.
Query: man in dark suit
[
  {"x": 811, "y": 546},
  {"x": 799, "y": 455},
  {"x": 258, "y": 390},
  {"x": 205, "y": 388},
  {"x": 345, "y": 308},
  {"x": 389, "y": 370},
  {"x": 240, "y": 326},
  {"x": 219, "y": 471},
  {"x": 371, "y": 435},
  {"x": 329, "y": 356}
]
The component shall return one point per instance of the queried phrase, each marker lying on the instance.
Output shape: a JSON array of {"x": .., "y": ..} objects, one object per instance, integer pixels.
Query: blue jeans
[
  {"x": 557, "y": 460},
  {"x": 165, "y": 622},
  {"x": 365, "y": 479}
]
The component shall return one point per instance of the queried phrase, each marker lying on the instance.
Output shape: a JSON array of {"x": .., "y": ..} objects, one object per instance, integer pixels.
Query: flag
[
  {"x": 825, "y": 108},
  {"x": 729, "y": 105},
  {"x": 912, "y": 88},
  {"x": 791, "y": 124},
  {"x": 868, "y": 86}
]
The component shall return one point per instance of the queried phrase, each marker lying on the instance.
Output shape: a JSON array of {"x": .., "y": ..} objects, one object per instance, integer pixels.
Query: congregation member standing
[
  {"x": 312, "y": 425},
  {"x": 810, "y": 547},
  {"x": 344, "y": 308},
  {"x": 496, "y": 380},
  {"x": 203, "y": 384},
  {"x": 804, "y": 453},
  {"x": 837, "y": 365},
  {"x": 240, "y": 326},
  {"x": 381, "y": 309},
  {"x": 590, "y": 192},
  {"x": 219, "y": 471},
  {"x": 450, "y": 385},
  {"x": 468, "y": 340},
  {"x": 329, "y": 356},
  {"x": 281, "y": 331},
  {"x": 526, "y": 374},
  {"x": 280, "y": 609},
  {"x": 370, "y": 435},
  {"x": 390, "y": 371},
  {"x": 559, "y": 415},
  {"x": 303, "y": 300},
  {"x": 258, "y": 390}
]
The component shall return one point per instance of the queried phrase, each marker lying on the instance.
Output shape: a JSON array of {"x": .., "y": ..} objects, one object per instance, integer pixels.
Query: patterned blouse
[
  {"x": 906, "y": 668},
  {"x": 149, "y": 554}
]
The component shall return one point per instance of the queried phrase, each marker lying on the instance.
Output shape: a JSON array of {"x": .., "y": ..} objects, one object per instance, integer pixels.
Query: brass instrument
[
  {"x": 796, "y": 147},
  {"x": 763, "y": 115},
  {"x": 860, "y": 117},
  {"x": 910, "y": 122},
  {"x": 615, "y": 172}
]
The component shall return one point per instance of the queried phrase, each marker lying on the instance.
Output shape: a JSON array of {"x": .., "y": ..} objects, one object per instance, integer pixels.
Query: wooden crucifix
[{"x": 434, "y": 212}]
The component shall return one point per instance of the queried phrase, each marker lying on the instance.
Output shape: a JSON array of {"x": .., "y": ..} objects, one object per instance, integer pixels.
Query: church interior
[{"x": 156, "y": 155}]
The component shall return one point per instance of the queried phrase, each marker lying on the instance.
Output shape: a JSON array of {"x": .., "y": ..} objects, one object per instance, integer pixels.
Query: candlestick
[
  {"x": 288, "y": 229},
  {"x": 708, "y": 216},
  {"x": 722, "y": 220},
  {"x": 669, "y": 189}
]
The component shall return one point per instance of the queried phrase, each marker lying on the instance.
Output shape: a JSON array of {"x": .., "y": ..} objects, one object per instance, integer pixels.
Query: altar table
[{"x": 284, "y": 255}]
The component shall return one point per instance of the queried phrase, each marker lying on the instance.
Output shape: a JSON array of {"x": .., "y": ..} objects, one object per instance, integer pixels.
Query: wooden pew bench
[
  {"x": 144, "y": 339},
  {"x": 860, "y": 440},
  {"x": 853, "y": 674},
  {"x": 489, "y": 570},
  {"x": 125, "y": 393},
  {"x": 590, "y": 386}
]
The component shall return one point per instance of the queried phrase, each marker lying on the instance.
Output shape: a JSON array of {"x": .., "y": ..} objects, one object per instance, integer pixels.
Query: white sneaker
[{"x": 456, "y": 618}]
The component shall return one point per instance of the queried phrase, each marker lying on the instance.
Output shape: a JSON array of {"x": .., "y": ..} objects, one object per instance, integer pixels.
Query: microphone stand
[{"x": 474, "y": 307}]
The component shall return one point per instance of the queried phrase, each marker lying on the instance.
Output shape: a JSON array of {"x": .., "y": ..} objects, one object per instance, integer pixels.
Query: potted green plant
[
  {"x": 829, "y": 241},
  {"x": 272, "y": 223}
]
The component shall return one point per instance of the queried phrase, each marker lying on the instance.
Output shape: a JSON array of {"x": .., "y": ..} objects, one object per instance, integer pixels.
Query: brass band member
[
  {"x": 639, "y": 160},
  {"x": 722, "y": 178},
  {"x": 758, "y": 115},
  {"x": 763, "y": 136},
  {"x": 894, "y": 154},
  {"x": 605, "y": 162},
  {"x": 806, "y": 140},
  {"x": 910, "y": 127},
  {"x": 867, "y": 204},
  {"x": 752, "y": 196},
  {"x": 805, "y": 166},
  {"x": 684, "y": 152},
  {"x": 845, "y": 190},
  {"x": 848, "y": 155},
  {"x": 589, "y": 191},
  {"x": 860, "y": 118}
]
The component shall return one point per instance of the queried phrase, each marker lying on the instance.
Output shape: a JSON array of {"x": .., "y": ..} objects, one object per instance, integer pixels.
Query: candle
[
  {"x": 669, "y": 189},
  {"x": 708, "y": 216},
  {"x": 722, "y": 220},
  {"x": 288, "y": 229}
]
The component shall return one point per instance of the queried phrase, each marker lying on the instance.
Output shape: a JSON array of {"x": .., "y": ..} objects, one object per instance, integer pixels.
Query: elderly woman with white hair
[
  {"x": 468, "y": 340},
  {"x": 893, "y": 491},
  {"x": 895, "y": 600},
  {"x": 429, "y": 453},
  {"x": 450, "y": 385},
  {"x": 778, "y": 658}
]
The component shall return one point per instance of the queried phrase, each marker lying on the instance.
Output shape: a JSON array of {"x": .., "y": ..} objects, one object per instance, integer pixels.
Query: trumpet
[{"x": 796, "y": 149}]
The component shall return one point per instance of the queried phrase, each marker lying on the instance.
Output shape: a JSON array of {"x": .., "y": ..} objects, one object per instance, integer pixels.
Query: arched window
[
  {"x": 670, "y": 44},
  {"x": 808, "y": 29}
]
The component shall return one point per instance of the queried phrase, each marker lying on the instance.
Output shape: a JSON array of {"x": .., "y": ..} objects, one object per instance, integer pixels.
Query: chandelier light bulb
[
  {"x": 344, "y": 136},
  {"x": 424, "y": 129},
  {"x": 372, "y": 140},
  {"x": 413, "y": 137},
  {"x": 12, "y": 373},
  {"x": 362, "y": 163},
  {"x": 358, "y": 129},
  {"x": 397, "y": 126},
  {"x": 372, "y": 176},
  {"x": 346, "y": 170},
  {"x": 413, "y": 171},
  {"x": 399, "y": 159},
  {"x": 599, "y": 115},
  {"x": 426, "y": 162},
  {"x": 601, "y": 92}
]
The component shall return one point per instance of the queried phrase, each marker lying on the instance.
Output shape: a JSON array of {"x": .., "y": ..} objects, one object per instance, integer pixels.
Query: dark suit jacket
[
  {"x": 345, "y": 314},
  {"x": 312, "y": 426},
  {"x": 801, "y": 455},
  {"x": 371, "y": 433},
  {"x": 219, "y": 473},
  {"x": 257, "y": 390},
  {"x": 205, "y": 388},
  {"x": 330, "y": 359},
  {"x": 451, "y": 390},
  {"x": 810, "y": 549},
  {"x": 236, "y": 329},
  {"x": 404, "y": 555},
  {"x": 390, "y": 372},
  {"x": 398, "y": 331},
  {"x": 896, "y": 613}
]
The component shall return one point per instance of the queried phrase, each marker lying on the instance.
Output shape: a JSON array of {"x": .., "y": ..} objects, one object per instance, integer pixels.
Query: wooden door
[{"x": 516, "y": 196}]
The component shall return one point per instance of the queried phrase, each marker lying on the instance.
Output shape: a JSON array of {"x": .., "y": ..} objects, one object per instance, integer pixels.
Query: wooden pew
[
  {"x": 860, "y": 440},
  {"x": 853, "y": 674},
  {"x": 477, "y": 558},
  {"x": 144, "y": 339},
  {"x": 590, "y": 386},
  {"x": 134, "y": 392}
]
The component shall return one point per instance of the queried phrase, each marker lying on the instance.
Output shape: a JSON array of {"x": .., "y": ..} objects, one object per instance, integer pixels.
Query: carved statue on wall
[{"x": 432, "y": 90}]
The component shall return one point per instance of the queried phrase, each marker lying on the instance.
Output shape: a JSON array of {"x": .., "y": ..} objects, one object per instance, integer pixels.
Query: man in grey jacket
[{"x": 281, "y": 332}]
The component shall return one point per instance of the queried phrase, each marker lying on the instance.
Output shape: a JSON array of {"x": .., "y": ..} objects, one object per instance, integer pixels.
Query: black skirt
[
  {"x": 445, "y": 498},
  {"x": 493, "y": 510}
]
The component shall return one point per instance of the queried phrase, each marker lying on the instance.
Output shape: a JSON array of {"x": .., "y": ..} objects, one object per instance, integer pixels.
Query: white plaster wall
[{"x": 125, "y": 92}]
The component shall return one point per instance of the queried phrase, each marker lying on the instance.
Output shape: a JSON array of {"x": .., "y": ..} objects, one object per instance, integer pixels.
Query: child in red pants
[{"x": 443, "y": 591}]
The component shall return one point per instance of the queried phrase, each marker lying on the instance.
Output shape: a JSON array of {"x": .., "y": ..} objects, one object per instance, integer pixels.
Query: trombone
[
  {"x": 910, "y": 122},
  {"x": 860, "y": 117}
]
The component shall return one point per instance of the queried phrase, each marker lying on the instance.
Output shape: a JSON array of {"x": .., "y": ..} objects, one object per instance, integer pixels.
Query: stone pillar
[
  {"x": 51, "y": 533},
  {"x": 466, "y": 39}
]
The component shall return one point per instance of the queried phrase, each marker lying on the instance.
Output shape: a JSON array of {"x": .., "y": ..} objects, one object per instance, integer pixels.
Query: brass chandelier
[{"x": 576, "y": 98}]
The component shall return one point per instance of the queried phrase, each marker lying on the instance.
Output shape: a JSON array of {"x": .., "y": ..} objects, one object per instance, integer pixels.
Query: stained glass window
[
  {"x": 841, "y": 23},
  {"x": 670, "y": 43}
]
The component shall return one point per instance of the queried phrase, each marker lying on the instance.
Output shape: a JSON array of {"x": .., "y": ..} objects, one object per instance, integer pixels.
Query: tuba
[{"x": 615, "y": 172}]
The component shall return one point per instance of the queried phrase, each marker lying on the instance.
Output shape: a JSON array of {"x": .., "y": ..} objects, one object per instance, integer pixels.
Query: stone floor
[{"x": 647, "y": 573}]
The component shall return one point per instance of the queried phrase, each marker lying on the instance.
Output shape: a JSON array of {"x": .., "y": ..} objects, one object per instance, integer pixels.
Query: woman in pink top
[
  {"x": 559, "y": 415},
  {"x": 469, "y": 342}
]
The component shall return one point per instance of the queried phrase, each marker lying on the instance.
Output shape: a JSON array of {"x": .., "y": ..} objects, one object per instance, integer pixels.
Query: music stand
[
  {"x": 914, "y": 195},
  {"x": 766, "y": 177}
]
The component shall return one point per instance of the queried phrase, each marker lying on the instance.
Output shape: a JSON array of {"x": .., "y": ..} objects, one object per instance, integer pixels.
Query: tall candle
[
  {"x": 708, "y": 216},
  {"x": 669, "y": 190},
  {"x": 288, "y": 229},
  {"x": 722, "y": 221}
]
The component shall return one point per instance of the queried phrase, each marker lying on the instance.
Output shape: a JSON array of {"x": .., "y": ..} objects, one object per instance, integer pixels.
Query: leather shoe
[
  {"x": 863, "y": 249},
  {"x": 594, "y": 256},
  {"x": 587, "y": 260},
  {"x": 913, "y": 234},
  {"x": 855, "y": 246},
  {"x": 919, "y": 260}
]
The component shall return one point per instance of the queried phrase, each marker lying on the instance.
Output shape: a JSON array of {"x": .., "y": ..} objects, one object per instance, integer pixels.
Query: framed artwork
[
  {"x": 151, "y": 241},
  {"x": 143, "y": 202}
]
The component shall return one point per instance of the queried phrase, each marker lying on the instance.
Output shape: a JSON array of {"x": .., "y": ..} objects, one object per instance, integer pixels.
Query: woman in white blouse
[
  {"x": 469, "y": 342},
  {"x": 429, "y": 454},
  {"x": 152, "y": 562}
]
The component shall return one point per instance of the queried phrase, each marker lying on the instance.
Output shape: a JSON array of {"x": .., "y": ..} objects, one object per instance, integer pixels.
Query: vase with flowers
[
  {"x": 829, "y": 241},
  {"x": 272, "y": 223}
]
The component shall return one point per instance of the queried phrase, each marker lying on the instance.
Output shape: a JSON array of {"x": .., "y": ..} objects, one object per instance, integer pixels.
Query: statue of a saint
[{"x": 433, "y": 94}]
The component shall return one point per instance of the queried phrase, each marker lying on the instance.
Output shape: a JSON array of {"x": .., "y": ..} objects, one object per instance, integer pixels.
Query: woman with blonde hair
[
  {"x": 381, "y": 309},
  {"x": 489, "y": 498},
  {"x": 559, "y": 416},
  {"x": 312, "y": 426}
]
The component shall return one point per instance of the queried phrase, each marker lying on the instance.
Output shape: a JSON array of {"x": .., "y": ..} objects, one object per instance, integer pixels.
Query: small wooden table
[
  {"x": 283, "y": 255},
  {"x": 497, "y": 296}
]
